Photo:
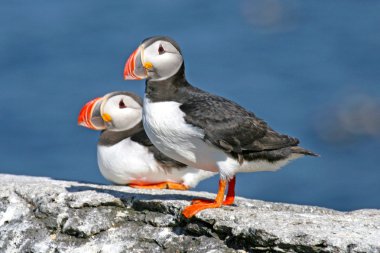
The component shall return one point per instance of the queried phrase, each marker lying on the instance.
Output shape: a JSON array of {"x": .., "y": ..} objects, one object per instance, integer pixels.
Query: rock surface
[{"x": 45, "y": 215}]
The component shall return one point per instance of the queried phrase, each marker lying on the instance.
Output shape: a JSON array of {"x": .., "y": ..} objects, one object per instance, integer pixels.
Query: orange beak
[
  {"x": 88, "y": 116},
  {"x": 134, "y": 68}
]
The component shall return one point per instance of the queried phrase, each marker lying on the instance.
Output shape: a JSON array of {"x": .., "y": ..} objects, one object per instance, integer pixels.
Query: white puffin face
[
  {"x": 120, "y": 112},
  {"x": 157, "y": 58},
  {"x": 161, "y": 60}
]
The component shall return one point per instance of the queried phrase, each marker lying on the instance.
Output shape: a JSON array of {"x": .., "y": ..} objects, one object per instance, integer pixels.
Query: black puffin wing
[
  {"x": 142, "y": 139},
  {"x": 230, "y": 127}
]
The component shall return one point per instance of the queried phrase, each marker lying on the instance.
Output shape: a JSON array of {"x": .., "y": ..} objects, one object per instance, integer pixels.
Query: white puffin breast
[
  {"x": 165, "y": 126},
  {"x": 129, "y": 161},
  {"x": 126, "y": 161}
]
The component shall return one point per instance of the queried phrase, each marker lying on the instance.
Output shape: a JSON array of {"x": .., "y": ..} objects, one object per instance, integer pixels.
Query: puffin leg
[
  {"x": 229, "y": 200},
  {"x": 161, "y": 185},
  {"x": 191, "y": 210}
]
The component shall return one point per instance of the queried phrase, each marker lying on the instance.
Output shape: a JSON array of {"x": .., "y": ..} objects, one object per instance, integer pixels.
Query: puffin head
[
  {"x": 116, "y": 111},
  {"x": 157, "y": 58}
]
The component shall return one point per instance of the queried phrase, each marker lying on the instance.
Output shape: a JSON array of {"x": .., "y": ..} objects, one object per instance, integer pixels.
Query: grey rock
[{"x": 45, "y": 215}]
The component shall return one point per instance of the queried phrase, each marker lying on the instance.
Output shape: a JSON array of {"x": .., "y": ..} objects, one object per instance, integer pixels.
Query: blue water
[{"x": 291, "y": 62}]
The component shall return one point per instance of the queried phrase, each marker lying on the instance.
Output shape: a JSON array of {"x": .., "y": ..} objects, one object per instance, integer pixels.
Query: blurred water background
[{"x": 309, "y": 68}]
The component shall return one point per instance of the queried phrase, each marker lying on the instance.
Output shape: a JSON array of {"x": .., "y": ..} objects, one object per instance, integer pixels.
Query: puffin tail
[{"x": 299, "y": 150}]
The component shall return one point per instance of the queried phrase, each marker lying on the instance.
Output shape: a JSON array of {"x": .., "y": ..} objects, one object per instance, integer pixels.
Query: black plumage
[
  {"x": 226, "y": 124},
  {"x": 200, "y": 128}
]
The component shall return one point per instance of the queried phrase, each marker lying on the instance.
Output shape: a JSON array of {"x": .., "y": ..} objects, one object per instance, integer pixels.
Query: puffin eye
[
  {"x": 121, "y": 104},
  {"x": 161, "y": 50}
]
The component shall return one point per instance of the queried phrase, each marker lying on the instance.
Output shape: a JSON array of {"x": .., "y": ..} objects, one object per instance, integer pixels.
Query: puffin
[
  {"x": 201, "y": 129},
  {"x": 125, "y": 154}
]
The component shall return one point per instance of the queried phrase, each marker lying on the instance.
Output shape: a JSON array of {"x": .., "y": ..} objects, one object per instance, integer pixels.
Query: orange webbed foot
[
  {"x": 177, "y": 186},
  {"x": 162, "y": 185},
  {"x": 201, "y": 204},
  {"x": 192, "y": 210},
  {"x": 148, "y": 186}
]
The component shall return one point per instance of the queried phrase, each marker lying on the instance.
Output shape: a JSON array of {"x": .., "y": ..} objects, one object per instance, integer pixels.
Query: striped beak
[
  {"x": 134, "y": 68},
  {"x": 90, "y": 115}
]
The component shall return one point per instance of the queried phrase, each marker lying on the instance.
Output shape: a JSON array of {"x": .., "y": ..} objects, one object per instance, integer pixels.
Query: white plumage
[
  {"x": 200, "y": 129},
  {"x": 129, "y": 161},
  {"x": 165, "y": 126},
  {"x": 125, "y": 155}
]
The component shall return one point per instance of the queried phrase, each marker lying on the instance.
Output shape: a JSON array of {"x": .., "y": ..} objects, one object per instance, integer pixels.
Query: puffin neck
[
  {"x": 109, "y": 138},
  {"x": 166, "y": 90}
]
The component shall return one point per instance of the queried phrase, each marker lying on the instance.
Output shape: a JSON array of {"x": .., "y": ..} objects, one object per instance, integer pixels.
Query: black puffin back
[{"x": 226, "y": 124}]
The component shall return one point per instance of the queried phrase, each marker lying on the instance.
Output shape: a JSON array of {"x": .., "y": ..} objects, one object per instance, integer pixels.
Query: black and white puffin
[
  {"x": 125, "y": 153},
  {"x": 200, "y": 129}
]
